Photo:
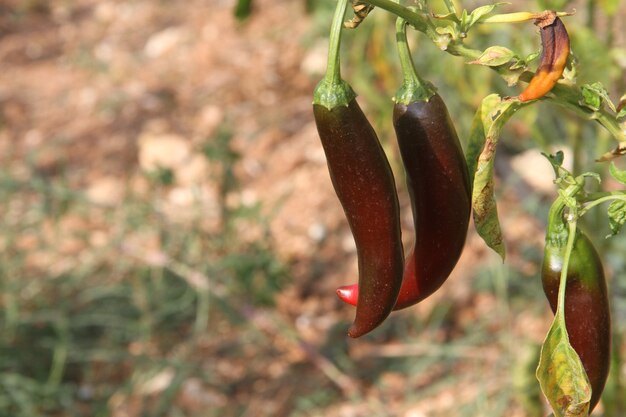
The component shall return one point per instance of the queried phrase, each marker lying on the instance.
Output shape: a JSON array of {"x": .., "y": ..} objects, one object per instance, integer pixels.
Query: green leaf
[
  {"x": 485, "y": 133},
  {"x": 617, "y": 216},
  {"x": 561, "y": 374},
  {"x": 617, "y": 173},
  {"x": 477, "y": 15},
  {"x": 621, "y": 114},
  {"x": 556, "y": 160},
  {"x": 594, "y": 95},
  {"x": 494, "y": 56},
  {"x": 532, "y": 56},
  {"x": 449, "y": 16},
  {"x": 592, "y": 175}
]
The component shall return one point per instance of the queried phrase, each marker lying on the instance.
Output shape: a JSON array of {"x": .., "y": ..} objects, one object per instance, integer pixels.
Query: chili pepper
[
  {"x": 438, "y": 183},
  {"x": 587, "y": 316},
  {"x": 555, "y": 50},
  {"x": 364, "y": 184}
]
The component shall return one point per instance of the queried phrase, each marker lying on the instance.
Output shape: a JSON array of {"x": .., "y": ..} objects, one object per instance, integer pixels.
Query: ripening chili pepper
[
  {"x": 555, "y": 50},
  {"x": 587, "y": 316},
  {"x": 438, "y": 183},
  {"x": 364, "y": 184}
]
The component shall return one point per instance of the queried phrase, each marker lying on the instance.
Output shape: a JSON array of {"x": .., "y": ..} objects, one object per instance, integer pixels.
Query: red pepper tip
[{"x": 346, "y": 294}]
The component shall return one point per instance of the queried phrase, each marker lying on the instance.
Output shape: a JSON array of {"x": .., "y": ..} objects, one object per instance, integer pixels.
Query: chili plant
[{"x": 447, "y": 185}]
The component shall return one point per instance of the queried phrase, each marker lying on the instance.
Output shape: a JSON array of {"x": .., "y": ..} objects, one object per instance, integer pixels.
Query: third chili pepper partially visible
[{"x": 587, "y": 315}]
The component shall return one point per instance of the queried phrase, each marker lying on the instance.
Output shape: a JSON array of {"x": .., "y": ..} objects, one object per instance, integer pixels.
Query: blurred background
[{"x": 170, "y": 241}]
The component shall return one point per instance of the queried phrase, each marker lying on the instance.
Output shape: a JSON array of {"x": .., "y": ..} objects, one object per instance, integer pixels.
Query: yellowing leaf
[
  {"x": 561, "y": 374},
  {"x": 486, "y": 126},
  {"x": 494, "y": 56}
]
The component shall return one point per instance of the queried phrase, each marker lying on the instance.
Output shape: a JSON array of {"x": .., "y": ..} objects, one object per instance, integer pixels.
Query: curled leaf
[
  {"x": 617, "y": 216},
  {"x": 594, "y": 95},
  {"x": 617, "y": 173},
  {"x": 486, "y": 126}
]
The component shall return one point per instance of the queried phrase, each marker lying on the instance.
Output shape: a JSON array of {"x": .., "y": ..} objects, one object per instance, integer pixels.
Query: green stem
[
  {"x": 417, "y": 20},
  {"x": 604, "y": 194},
  {"x": 556, "y": 224},
  {"x": 570, "y": 96},
  {"x": 571, "y": 238},
  {"x": 413, "y": 88},
  {"x": 602, "y": 200},
  {"x": 59, "y": 357},
  {"x": 450, "y": 6},
  {"x": 332, "y": 91},
  {"x": 459, "y": 49},
  {"x": 555, "y": 216},
  {"x": 333, "y": 67}
]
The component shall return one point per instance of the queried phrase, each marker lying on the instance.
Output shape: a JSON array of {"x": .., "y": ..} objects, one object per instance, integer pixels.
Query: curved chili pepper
[
  {"x": 364, "y": 184},
  {"x": 438, "y": 183},
  {"x": 555, "y": 50},
  {"x": 587, "y": 315}
]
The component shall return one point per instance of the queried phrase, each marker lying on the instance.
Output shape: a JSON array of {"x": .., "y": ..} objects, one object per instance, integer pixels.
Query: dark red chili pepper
[
  {"x": 364, "y": 183},
  {"x": 587, "y": 316},
  {"x": 438, "y": 183}
]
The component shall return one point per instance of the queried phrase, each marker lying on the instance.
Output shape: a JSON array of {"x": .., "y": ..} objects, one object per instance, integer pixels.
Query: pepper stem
[
  {"x": 571, "y": 238},
  {"x": 557, "y": 228},
  {"x": 333, "y": 68},
  {"x": 332, "y": 91},
  {"x": 413, "y": 88}
]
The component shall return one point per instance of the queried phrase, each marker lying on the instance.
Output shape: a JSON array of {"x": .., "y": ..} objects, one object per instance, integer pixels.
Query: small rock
[
  {"x": 163, "y": 42},
  {"x": 107, "y": 191},
  {"x": 210, "y": 118},
  {"x": 162, "y": 151}
]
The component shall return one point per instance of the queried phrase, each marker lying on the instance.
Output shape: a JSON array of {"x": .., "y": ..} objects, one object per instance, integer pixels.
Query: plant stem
[
  {"x": 601, "y": 200},
  {"x": 406, "y": 61},
  {"x": 333, "y": 69},
  {"x": 571, "y": 238},
  {"x": 332, "y": 91},
  {"x": 413, "y": 88},
  {"x": 555, "y": 219},
  {"x": 450, "y": 6},
  {"x": 417, "y": 20}
]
